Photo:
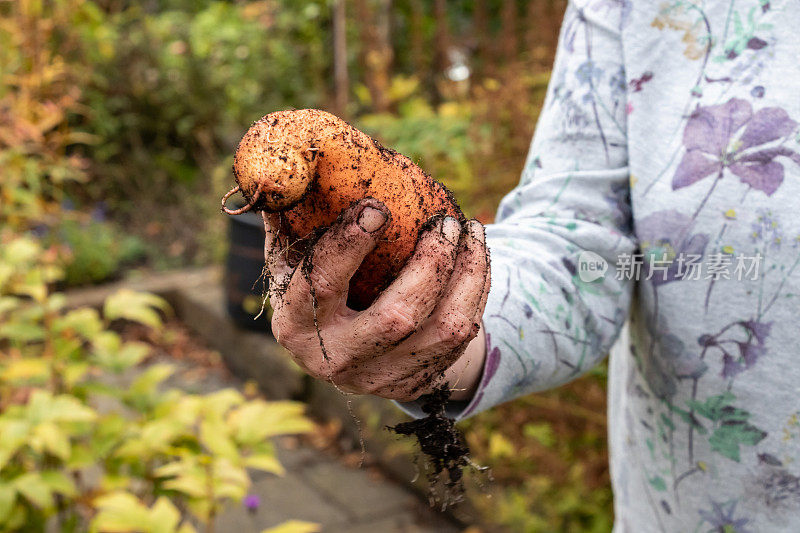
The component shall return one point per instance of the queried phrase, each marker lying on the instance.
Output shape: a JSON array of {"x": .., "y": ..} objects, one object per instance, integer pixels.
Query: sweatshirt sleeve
[{"x": 552, "y": 314}]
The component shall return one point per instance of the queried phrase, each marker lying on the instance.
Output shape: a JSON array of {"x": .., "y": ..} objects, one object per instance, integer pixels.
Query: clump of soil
[{"x": 441, "y": 443}]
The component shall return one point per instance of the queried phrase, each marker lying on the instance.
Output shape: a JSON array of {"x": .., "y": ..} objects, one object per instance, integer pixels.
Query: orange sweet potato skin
[{"x": 351, "y": 166}]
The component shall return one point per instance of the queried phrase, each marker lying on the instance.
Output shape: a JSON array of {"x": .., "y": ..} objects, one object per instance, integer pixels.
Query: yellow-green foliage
[
  {"x": 548, "y": 457},
  {"x": 79, "y": 447}
]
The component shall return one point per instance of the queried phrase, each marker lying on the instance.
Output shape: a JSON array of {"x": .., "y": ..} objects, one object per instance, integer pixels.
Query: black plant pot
[{"x": 245, "y": 286}]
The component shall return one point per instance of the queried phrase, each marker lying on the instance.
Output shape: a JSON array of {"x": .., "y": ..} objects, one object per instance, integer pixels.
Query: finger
[
  {"x": 319, "y": 285},
  {"x": 409, "y": 300},
  {"x": 487, "y": 282},
  {"x": 457, "y": 317},
  {"x": 275, "y": 250}
]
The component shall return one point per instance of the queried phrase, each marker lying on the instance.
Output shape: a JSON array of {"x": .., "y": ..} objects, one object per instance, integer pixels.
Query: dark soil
[{"x": 441, "y": 443}]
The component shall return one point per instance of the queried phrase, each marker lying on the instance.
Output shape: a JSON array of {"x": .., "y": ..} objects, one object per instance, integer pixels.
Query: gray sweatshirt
[{"x": 663, "y": 184}]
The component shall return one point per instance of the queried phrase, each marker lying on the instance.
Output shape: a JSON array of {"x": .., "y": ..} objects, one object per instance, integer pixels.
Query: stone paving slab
[
  {"x": 317, "y": 488},
  {"x": 361, "y": 504},
  {"x": 290, "y": 497},
  {"x": 353, "y": 489}
]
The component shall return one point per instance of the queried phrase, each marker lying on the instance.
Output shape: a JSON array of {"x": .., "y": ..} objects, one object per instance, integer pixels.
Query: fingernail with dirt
[
  {"x": 451, "y": 229},
  {"x": 476, "y": 231},
  {"x": 371, "y": 220}
]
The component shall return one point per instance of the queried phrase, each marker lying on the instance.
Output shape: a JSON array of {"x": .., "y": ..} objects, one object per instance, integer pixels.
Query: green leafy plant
[
  {"x": 95, "y": 250},
  {"x": 172, "y": 87},
  {"x": 90, "y": 439}
]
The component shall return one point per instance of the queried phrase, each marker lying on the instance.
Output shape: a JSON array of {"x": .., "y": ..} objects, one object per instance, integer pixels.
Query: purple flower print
[
  {"x": 739, "y": 355},
  {"x": 759, "y": 330},
  {"x": 767, "y": 229},
  {"x": 492, "y": 362},
  {"x": 775, "y": 486},
  {"x": 730, "y": 136},
  {"x": 668, "y": 235},
  {"x": 721, "y": 517},
  {"x": 670, "y": 363}
]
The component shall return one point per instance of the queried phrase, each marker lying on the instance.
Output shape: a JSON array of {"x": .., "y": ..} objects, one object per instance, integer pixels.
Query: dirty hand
[{"x": 413, "y": 337}]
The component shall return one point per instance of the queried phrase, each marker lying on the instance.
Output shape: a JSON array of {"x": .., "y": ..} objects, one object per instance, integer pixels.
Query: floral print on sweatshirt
[{"x": 670, "y": 131}]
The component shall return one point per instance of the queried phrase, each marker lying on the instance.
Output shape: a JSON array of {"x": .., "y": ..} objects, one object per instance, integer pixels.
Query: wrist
[{"x": 465, "y": 374}]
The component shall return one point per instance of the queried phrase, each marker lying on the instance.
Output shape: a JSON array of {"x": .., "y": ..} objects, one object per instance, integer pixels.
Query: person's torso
[{"x": 711, "y": 409}]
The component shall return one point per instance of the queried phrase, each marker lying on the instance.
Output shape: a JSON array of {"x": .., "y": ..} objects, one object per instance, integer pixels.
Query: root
[
  {"x": 442, "y": 444},
  {"x": 266, "y": 279},
  {"x": 241, "y": 210},
  {"x": 306, "y": 269}
]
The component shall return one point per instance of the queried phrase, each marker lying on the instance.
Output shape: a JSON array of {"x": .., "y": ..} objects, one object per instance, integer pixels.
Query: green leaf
[
  {"x": 44, "y": 407},
  {"x": 186, "y": 477},
  {"x": 158, "y": 434},
  {"x": 214, "y": 436},
  {"x": 155, "y": 436},
  {"x": 712, "y": 407},
  {"x": 727, "y": 438},
  {"x": 74, "y": 372},
  {"x": 164, "y": 516},
  {"x": 174, "y": 468},
  {"x": 8, "y": 496},
  {"x": 34, "y": 282},
  {"x": 689, "y": 419},
  {"x": 25, "y": 369},
  {"x": 541, "y": 432},
  {"x": 18, "y": 518},
  {"x": 31, "y": 486},
  {"x": 8, "y": 303},
  {"x": 21, "y": 332},
  {"x": 6, "y": 273},
  {"x": 184, "y": 411},
  {"x": 230, "y": 480},
  {"x": 186, "y": 527},
  {"x": 58, "y": 482},
  {"x": 191, "y": 486},
  {"x": 135, "y": 306},
  {"x": 221, "y": 401},
  {"x": 258, "y": 420},
  {"x": 107, "y": 342},
  {"x": 146, "y": 383},
  {"x": 115, "y": 482},
  {"x": 68, "y": 348},
  {"x": 499, "y": 446},
  {"x": 658, "y": 483},
  {"x": 267, "y": 463},
  {"x": 54, "y": 440},
  {"x": 131, "y": 354},
  {"x": 85, "y": 321},
  {"x": 21, "y": 251},
  {"x": 120, "y": 512},
  {"x": 14, "y": 434},
  {"x": 81, "y": 457},
  {"x": 294, "y": 526}
]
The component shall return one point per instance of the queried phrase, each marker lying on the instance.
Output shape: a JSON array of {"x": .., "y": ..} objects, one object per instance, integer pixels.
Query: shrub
[
  {"x": 86, "y": 446},
  {"x": 95, "y": 250}
]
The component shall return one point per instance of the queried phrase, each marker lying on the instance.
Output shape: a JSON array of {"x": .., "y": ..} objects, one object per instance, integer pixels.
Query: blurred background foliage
[{"x": 119, "y": 118}]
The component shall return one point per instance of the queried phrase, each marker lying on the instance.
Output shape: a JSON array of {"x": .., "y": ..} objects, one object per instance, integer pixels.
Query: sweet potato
[{"x": 309, "y": 165}]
